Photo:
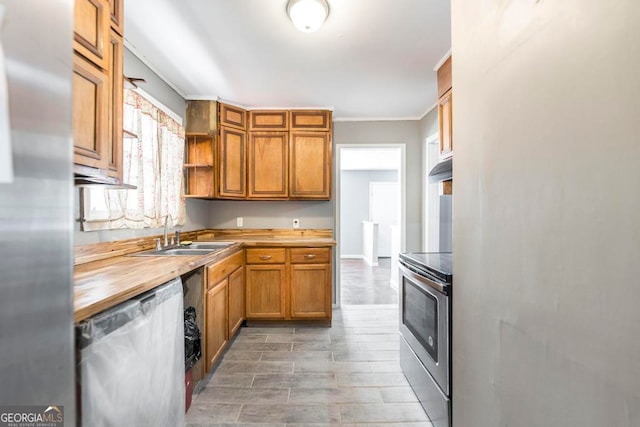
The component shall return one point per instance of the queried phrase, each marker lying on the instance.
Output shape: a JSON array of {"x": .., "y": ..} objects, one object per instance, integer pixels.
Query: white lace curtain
[{"x": 153, "y": 162}]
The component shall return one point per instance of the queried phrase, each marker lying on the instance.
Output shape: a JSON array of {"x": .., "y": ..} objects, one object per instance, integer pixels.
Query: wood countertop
[{"x": 107, "y": 282}]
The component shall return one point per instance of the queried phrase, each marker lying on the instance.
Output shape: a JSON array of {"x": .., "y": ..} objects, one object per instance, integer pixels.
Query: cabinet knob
[
  {"x": 265, "y": 257},
  {"x": 310, "y": 256}
]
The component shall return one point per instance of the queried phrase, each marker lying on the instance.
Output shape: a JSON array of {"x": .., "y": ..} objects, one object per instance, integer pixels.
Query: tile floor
[
  {"x": 364, "y": 284},
  {"x": 345, "y": 375}
]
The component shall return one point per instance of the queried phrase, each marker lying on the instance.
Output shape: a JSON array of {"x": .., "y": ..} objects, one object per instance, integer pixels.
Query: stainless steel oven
[{"x": 425, "y": 328}]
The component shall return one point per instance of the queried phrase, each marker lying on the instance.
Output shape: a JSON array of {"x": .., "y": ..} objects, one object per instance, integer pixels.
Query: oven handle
[{"x": 407, "y": 271}]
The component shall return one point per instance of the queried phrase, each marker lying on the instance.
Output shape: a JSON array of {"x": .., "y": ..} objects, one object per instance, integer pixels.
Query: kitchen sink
[
  {"x": 195, "y": 248},
  {"x": 208, "y": 245}
]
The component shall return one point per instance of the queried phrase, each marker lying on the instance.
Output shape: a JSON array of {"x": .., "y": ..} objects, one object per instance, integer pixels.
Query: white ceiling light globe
[{"x": 308, "y": 15}]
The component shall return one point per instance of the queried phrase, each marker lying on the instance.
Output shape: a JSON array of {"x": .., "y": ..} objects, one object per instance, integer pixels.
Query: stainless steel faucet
[{"x": 166, "y": 223}]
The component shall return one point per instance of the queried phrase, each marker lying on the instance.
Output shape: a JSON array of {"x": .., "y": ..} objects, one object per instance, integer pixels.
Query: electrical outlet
[
  {"x": 239, "y": 221},
  {"x": 296, "y": 223}
]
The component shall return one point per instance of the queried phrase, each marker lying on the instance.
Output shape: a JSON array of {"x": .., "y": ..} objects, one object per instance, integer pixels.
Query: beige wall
[
  {"x": 546, "y": 290},
  {"x": 431, "y": 191},
  {"x": 394, "y": 132}
]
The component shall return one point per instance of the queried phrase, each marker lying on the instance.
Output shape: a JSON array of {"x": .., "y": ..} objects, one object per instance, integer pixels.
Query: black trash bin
[{"x": 192, "y": 350}]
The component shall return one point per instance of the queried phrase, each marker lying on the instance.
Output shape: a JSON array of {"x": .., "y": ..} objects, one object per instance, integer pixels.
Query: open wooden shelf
[{"x": 199, "y": 167}]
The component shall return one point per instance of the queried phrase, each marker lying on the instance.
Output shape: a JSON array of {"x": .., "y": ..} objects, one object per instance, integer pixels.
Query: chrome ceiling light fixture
[{"x": 308, "y": 15}]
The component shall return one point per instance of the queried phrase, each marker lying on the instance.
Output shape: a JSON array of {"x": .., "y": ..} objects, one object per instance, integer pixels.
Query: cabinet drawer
[
  {"x": 220, "y": 270},
  {"x": 310, "y": 255},
  {"x": 266, "y": 256}
]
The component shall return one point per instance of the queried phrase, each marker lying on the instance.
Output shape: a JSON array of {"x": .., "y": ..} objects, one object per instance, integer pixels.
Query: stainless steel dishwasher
[{"x": 131, "y": 362}]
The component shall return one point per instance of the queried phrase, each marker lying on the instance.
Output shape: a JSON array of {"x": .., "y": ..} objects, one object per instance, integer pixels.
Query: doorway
[{"x": 370, "y": 222}]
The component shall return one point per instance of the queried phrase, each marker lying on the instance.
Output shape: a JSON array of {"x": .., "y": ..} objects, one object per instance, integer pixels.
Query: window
[{"x": 153, "y": 154}]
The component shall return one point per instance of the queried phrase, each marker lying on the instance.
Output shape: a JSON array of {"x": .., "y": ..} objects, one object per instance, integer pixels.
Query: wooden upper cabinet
[
  {"x": 231, "y": 116},
  {"x": 202, "y": 118},
  {"x": 97, "y": 87},
  {"x": 444, "y": 77},
  {"x": 310, "y": 165},
  {"x": 268, "y": 165},
  {"x": 90, "y": 114},
  {"x": 445, "y": 109},
  {"x": 445, "y": 124},
  {"x": 232, "y": 163},
  {"x": 116, "y": 105},
  {"x": 319, "y": 120},
  {"x": 269, "y": 120},
  {"x": 91, "y": 31},
  {"x": 116, "y": 8}
]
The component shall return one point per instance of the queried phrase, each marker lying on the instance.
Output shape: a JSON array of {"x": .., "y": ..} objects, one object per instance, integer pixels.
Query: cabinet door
[
  {"x": 116, "y": 7},
  {"x": 266, "y": 286},
  {"x": 444, "y": 77},
  {"x": 232, "y": 166},
  {"x": 91, "y": 31},
  {"x": 310, "y": 291},
  {"x": 269, "y": 120},
  {"x": 268, "y": 165},
  {"x": 90, "y": 114},
  {"x": 445, "y": 118},
  {"x": 310, "y": 165},
  {"x": 234, "y": 117},
  {"x": 216, "y": 322},
  {"x": 236, "y": 301},
  {"x": 115, "y": 105},
  {"x": 318, "y": 120}
]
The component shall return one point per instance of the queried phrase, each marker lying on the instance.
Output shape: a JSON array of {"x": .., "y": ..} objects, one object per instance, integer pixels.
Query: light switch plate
[
  {"x": 239, "y": 221},
  {"x": 296, "y": 223}
]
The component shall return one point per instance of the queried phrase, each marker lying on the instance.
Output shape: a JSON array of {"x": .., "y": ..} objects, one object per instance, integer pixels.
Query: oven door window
[{"x": 420, "y": 316}]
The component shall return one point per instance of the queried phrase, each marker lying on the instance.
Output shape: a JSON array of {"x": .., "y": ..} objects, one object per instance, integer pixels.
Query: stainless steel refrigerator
[{"x": 36, "y": 211}]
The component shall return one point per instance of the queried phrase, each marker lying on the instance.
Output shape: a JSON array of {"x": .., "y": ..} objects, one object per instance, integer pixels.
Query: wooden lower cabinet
[
  {"x": 236, "y": 301},
  {"x": 216, "y": 322},
  {"x": 225, "y": 290},
  {"x": 289, "y": 283},
  {"x": 310, "y": 291},
  {"x": 266, "y": 285}
]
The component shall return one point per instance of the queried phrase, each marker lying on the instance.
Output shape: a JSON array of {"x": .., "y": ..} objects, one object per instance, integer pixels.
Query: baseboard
[{"x": 352, "y": 256}]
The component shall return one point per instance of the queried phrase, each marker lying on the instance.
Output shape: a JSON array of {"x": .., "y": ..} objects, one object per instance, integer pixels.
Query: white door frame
[{"x": 402, "y": 179}]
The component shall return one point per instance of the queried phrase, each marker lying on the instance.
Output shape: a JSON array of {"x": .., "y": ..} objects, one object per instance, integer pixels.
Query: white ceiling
[{"x": 372, "y": 59}]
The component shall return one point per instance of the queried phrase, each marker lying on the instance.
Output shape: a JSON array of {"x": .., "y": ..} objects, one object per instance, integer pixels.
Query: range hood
[{"x": 443, "y": 171}]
